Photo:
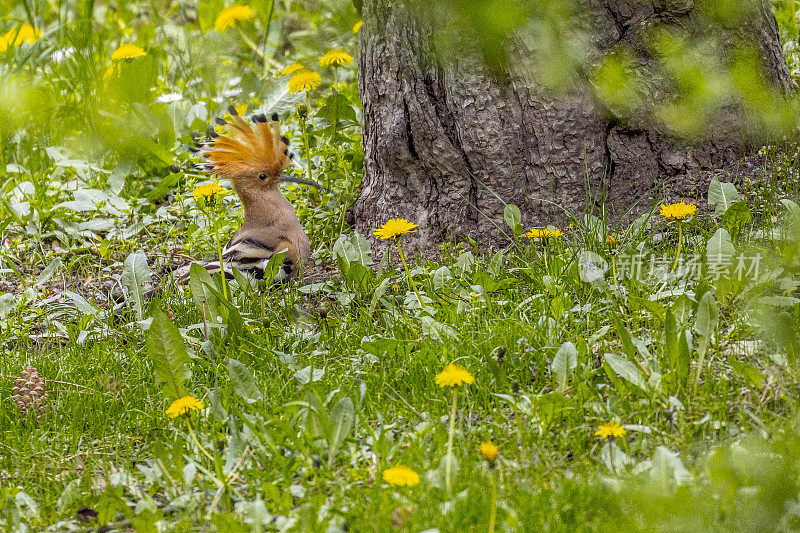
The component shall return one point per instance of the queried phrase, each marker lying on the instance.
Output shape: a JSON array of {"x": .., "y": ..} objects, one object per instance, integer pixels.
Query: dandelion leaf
[{"x": 169, "y": 356}]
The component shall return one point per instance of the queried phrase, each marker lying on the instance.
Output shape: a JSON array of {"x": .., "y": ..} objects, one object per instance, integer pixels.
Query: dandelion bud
[
  {"x": 489, "y": 452},
  {"x": 499, "y": 354}
]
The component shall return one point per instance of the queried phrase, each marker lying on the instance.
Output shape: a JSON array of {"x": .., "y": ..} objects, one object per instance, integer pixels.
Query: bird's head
[{"x": 251, "y": 157}]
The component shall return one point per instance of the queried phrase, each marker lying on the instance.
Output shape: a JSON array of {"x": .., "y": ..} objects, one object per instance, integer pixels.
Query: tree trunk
[{"x": 446, "y": 143}]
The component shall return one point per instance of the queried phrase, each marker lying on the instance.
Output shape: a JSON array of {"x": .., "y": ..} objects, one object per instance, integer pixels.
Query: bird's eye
[{"x": 262, "y": 177}]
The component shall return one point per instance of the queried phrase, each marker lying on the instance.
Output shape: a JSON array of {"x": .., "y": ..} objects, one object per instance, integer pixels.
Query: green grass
[{"x": 711, "y": 432}]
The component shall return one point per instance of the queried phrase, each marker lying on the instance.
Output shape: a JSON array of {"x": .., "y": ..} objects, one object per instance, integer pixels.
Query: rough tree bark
[{"x": 443, "y": 139}]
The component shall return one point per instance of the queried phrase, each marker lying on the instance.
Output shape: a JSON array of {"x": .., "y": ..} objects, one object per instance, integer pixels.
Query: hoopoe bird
[{"x": 252, "y": 158}]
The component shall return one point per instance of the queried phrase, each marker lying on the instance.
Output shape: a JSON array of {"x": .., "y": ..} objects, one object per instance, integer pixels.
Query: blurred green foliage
[
  {"x": 684, "y": 64},
  {"x": 136, "y": 117},
  {"x": 65, "y": 89}
]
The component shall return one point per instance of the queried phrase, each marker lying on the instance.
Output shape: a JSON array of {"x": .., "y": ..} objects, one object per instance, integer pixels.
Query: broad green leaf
[
  {"x": 378, "y": 346},
  {"x": 135, "y": 273},
  {"x": 70, "y": 495},
  {"x": 592, "y": 267},
  {"x": 244, "y": 383},
  {"x": 705, "y": 325},
  {"x": 464, "y": 262},
  {"x": 793, "y": 210},
  {"x": 309, "y": 374},
  {"x": 275, "y": 262},
  {"x": 778, "y": 301},
  {"x": 228, "y": 523},
  {"x": 196, "y": 115},
  {"x": 668, "y": 468},
  {"x": 736, "y": 217},
  {"x": 485, "y": 280},
  {"x": 202, "y": 293},
  {"x": 599, "y": 334},
  {"x": 7, "y": 303},
  {"x": 278, "y": 99},
  {"x": 496, "y": 263},
  {"x": 682, "y": 308},
  {"x": 317, "y": 415},
  {"x": 440, "y": 277},
  {"x": 656, "y": 309},
  {"x": 337, "y": 106},
  {"x": 436, "y": 330},
  {"x": 626, "y": 370},
  {"x": 228, "y": 313},
  {"x": 720, "y": 259},
  {"x": 79, "y": 206},
  {"x": 624, "y": 336},
  {"x": 781, "y": 326},
  {"x": 353, "y": 249},
  {"x": 242, "y": 281},
  {"x": 513, "y": 218},
  {"x": 165, "y": 348},
  {"x": 747, "y": 371},
  {"x": 722, "y": 196},
  {"x": 707, "y": 315},
  {"x": 81, "y": 303},
  {"x": 340, "y": 423},
  {"x": 684, "y": 361},
  {"x": 671, "y": 340},
  {"x": 565, "y": 361},
  {"x": 720, "y": 249},
  {"x": 380, "y": 291},
  {"x": 48, "y": 272},
  {"x": 358, "y": 277},
  {"x": 117, "y": 177}
]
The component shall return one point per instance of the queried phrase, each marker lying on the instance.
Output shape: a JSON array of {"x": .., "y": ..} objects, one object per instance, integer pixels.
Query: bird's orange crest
[{"x": 245, "y": 151}]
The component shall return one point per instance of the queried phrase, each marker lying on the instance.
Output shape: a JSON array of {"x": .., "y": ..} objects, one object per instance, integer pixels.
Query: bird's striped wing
[{"x": 250, "y": 256}]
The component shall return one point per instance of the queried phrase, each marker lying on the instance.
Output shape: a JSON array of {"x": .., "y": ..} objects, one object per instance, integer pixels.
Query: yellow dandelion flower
[
  {"x": 680, "y": 211},
  {"x": 304, "y": 80},
  {"x": 357, "y": 26},
  {"x": 489, "y": 451},
  {"x": 400, "y": 476},
  {"x": 229, "y": 16},
  {"x": 610, "y": 240},
  {"x": 335, "y": 58},
  {"x": 395, "y": 227},
  {"x": 182, "y": 406},
  {"x": 609, "y": 429},
  {"x": 453, "y": 376},
  {"x": 128, "y": 51},
  {"x": 15, "y": 37},
  {"x": 241, "y": 109},
  {"x": 544, "y": 233},
  {"x": 208, "y": 191},
  {"x": 291, "y": 69}
]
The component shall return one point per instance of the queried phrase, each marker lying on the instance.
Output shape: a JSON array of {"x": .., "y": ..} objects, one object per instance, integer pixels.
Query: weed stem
[
  {"x": 493, "y": 504},
  {"x": 408, "y": 273},
  {"x": 197, "y": 442},
  {"x": 449, "y": 460}
]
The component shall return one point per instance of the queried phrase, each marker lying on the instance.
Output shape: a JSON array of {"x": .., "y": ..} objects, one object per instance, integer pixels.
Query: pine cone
[{"x": 29, "y": 392}]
